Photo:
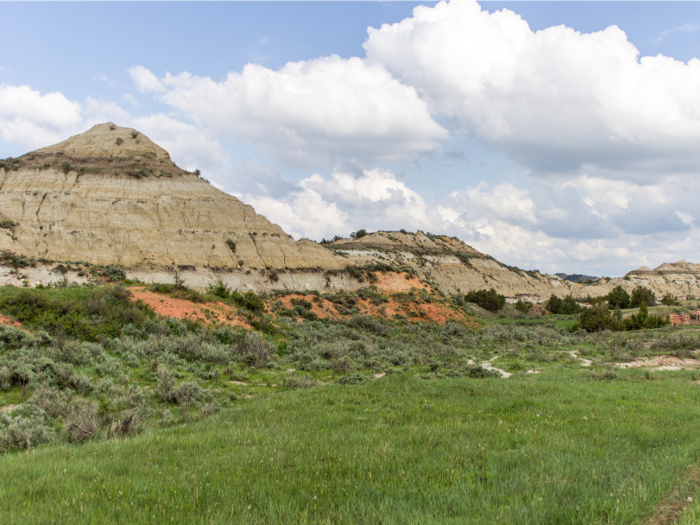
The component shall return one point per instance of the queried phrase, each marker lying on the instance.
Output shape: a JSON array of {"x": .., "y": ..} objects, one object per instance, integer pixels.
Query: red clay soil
[
  {"x": 9, "y": 322},
  {"x": 215, "y": 312},
  {"x": 428, "y": 312},
  {"x": 386, "y": 283},
  {"x": 390, "y": 283}
]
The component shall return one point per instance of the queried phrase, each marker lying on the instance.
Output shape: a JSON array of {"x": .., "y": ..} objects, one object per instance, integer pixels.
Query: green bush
[
  {"x": 111, "y": 273},
  {"x": 250, "y": 301},
  {"x": 598, "y": 318},
  {"x": 219, "y": 289},
  {"x": 643, "y": 320},
  {"x": 488, "y": 299},
  {"x": 6, "y": 224},
  {"x": 566, "y": 306},
  {"x": 231, "y": 244},
  {"x": 642, "y": 295},
  {"x": 103, "y": 312},
  {"x": 523, "y": 306},
  {"x": 670, "y": 300},
  {"x": 618, "y": 298}
]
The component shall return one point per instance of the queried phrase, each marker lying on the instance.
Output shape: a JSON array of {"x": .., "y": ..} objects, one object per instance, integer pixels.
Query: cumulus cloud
[
  {"x": 324, "y": 108},
  {"x": 30, "y": 119},
  {"x": 555, "y": 100},
  {"x": 320, "y": 207},
  {"x": 581, "y": 224},
  {"x": 144, "y": 80},
  {"x": 189, "y": 146}
]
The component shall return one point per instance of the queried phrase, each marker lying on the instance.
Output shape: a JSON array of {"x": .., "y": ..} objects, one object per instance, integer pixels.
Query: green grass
[{"x": 556, "y": 449}]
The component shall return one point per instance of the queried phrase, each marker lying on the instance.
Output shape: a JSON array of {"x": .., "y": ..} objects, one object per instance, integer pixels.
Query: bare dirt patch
[
  {"x": 9, "y": 322},
  {"x": 663, "y": 362},
  {"x": 417, "y": 310},
  {"x": 213, "y": 312},
  {"x": 399, "y": 282}
]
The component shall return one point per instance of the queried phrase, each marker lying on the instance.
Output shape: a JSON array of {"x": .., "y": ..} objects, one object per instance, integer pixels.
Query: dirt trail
[
  {"x": 488, "y": 366},
  {"x": 662, "y": 362},
  {"x": 584, "y": 362}
]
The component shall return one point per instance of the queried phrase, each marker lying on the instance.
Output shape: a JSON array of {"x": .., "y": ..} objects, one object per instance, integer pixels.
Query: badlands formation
[{"x": 111, "y": 196}]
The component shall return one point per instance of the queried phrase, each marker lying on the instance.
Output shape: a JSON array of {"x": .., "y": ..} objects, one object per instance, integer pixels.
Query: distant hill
[{"x": 577, "y": 277}]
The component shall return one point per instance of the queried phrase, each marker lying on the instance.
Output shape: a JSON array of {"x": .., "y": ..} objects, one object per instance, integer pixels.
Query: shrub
[
  {"x": 81, "y": 422},
  {"x": 670, "y": 300},
  {"x": 104, "y": 312},
  {"x": 523, "y": 306},
  {"x": 231, "y": 244},
  {"x": 598, "y": 318},
  {"x": 358, "y": 234},
  {"x": 7, "y": 224},
  {"x": 219, "y": 289},
  {"x": 111, "y": 273},
  {"x": 254, "y": 350},
  {"x": 66, "y": 168},
  {"x": 250, "y": 301},
  {"x": 188, "y": 393},
  {"x": 566, "y": 306},
  {"x": 643, "y": 320},
  {"x": 119, "y": 141},
  {"x": 25, "y": 428},
  {"x": 640, "y": 295},
  {"x": 618, "y": 298},
  {"x": 488, "y": 299}
]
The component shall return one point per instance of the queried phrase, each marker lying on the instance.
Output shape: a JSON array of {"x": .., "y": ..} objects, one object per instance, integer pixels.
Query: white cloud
[
  {"x": 685, "y": 28},
  {"x": 30, "y": 119},
  {"x": 101, "y": 77},
  {"x": 600, "y": 226},
  {"x": 556, "y": 100},
  {"x": 144, "y": 80},
  {"x": 131, "y": 99},
  {"x": 321, "y": 207},
  {"x": 306, "y": 111}
]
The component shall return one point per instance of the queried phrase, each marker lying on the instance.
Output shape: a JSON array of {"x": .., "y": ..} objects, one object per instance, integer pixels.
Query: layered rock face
[
  {"x": 112, "y": 196},
  {"x": 452, "y": 265},
  {"x": 456, "y": 267}
]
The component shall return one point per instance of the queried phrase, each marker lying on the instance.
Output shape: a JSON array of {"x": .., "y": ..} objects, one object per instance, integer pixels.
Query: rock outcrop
[
  {"x": 453, "y": 266},
  {"x": 112, "y": 196}
]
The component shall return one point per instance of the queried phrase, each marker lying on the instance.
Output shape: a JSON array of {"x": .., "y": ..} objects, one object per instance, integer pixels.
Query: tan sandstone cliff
[{"x": 112, "y": 196}]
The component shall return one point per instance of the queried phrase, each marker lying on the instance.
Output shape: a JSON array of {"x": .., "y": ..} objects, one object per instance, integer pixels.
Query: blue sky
[{"x": 558, "y": 148}]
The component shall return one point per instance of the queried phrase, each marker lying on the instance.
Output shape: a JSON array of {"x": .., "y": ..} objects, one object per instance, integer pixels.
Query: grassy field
[
  {"x": 125, "y": 417},
  {"x": 557, "y": 449}
]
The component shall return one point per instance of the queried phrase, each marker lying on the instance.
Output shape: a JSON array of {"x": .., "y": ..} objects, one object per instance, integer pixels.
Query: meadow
[{"x": 122, "y": 416}]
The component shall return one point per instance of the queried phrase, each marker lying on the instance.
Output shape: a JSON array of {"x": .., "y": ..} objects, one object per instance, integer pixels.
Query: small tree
[
  {"x": 618, "y": 298},
  {"x": 597, "y": 319},
  {"x": 643, "y": 320},
  {"x": 670, "y": 300},
  {"x": 488, "y": 299},
  {"x": 523, "y": 306},
  {"x": 640, "y": 295},
  {"x": 566, "y": 306}
]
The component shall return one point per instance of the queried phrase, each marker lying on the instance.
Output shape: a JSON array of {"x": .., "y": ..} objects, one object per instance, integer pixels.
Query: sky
[{"x": 559, "y": 136}]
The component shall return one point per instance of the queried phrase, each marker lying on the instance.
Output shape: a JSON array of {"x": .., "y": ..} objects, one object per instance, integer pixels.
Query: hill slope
[{"x": 112, "y": 196}]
